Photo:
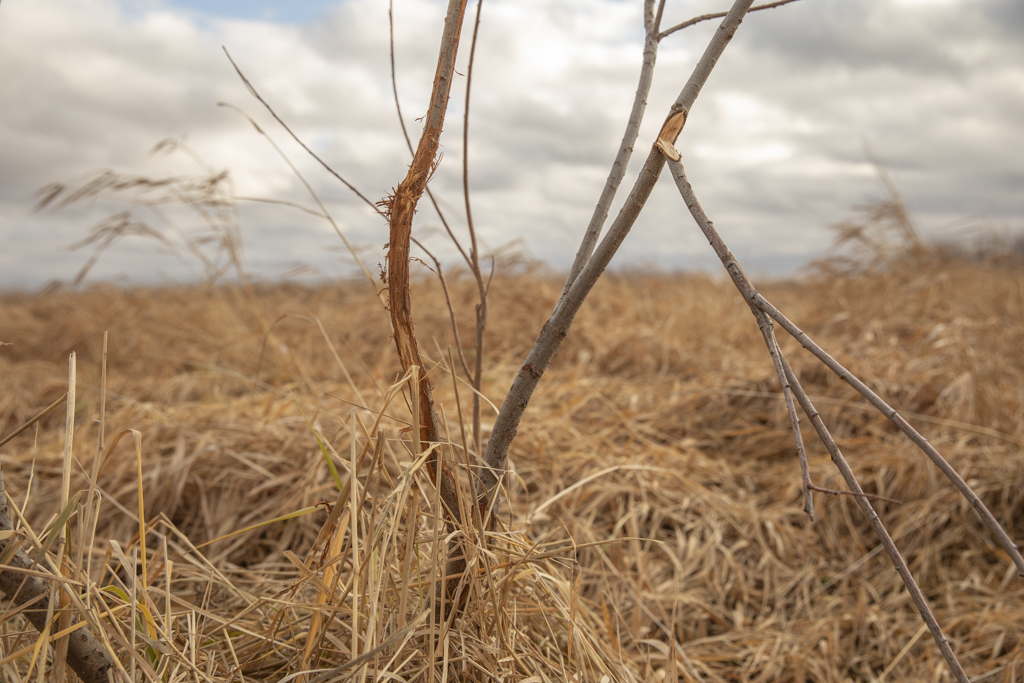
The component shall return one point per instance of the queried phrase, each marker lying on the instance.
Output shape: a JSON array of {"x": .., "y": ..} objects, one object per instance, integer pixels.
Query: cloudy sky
[{"x": 777, "y": 146}]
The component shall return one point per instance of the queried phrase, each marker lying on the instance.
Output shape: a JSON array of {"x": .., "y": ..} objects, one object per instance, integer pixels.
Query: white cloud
[{"x": 775, "y": 145}]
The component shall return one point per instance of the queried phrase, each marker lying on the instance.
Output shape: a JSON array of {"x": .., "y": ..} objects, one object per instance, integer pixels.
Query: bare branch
[
  {"x": 717, "y": 15},
  {"x": 756, "y": 300},
  {"x": 618, "y": 171},
  {"x": 876, "y": 523},
  {"x": 557, "y": 326},
  {"x": 915, "y": 437}
]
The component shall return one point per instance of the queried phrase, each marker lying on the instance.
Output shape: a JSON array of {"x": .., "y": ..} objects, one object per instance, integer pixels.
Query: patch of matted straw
[{"x": 653, "y": 528}]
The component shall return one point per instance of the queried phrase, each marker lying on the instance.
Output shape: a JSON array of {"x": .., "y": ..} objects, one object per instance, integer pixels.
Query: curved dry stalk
[
  {"x": 46, "y": 411},
  {"x": 652, "y": 20},
  {"x": 252, "y": 91},
  {"x": 323, "y": 213},
  {"x": 557, "y": 326},
  {"x": 482, "y": 288}
]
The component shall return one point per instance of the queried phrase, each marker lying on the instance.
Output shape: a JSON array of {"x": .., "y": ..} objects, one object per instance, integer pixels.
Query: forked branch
[
  {"x": 762, "y": 310},
  {"x": 1011, "y": 548},
  {"x": 557, "y": 326}
]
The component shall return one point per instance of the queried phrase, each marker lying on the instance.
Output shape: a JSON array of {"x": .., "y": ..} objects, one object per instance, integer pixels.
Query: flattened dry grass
[{"x": 653, "y": 528}]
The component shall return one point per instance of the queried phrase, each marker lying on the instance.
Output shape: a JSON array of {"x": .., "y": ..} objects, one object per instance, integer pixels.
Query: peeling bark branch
[
  {"x": 400, "y": 209},
  {"x": 408, "y": 141},
  {"x": 557, "y": 326}
]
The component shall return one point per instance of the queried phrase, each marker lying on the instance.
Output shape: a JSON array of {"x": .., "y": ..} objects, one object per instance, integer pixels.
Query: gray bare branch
[{"x": 557, "y": 326}]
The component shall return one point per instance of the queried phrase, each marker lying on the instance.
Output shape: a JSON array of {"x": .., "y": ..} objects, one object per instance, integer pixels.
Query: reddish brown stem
[{"x": 400, "y": 209}]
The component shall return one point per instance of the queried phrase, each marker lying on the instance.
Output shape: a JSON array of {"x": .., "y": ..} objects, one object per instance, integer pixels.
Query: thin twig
[
  {"x": 837, "y": 492},
  {"x": 451, "y": 311},
  {"x": 768, "y": 332},
  {"x": 394, "y": 80},
  {"x": 717, "y": 15},
  {"x": 482, "y": 289},
  {"x": 254, "y": 93}
]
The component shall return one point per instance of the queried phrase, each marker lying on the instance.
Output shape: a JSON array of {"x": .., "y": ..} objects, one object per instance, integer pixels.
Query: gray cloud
[{"x": 776, "y": 146}]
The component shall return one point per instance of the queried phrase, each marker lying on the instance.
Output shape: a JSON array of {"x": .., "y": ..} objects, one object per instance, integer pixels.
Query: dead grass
[{"x": 654, "y": 519}]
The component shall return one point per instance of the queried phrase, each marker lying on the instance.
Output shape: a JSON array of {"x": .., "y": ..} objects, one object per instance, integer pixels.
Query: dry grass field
[{"x": 653, "y": 528}]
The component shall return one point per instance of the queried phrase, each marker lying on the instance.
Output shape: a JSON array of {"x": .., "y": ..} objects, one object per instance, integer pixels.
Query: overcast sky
[{"x": 776, "y": 146}]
